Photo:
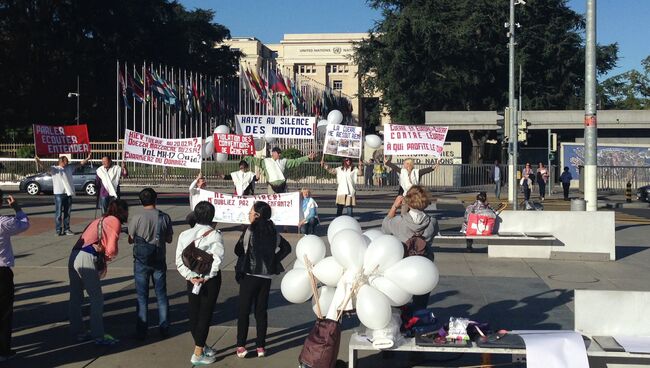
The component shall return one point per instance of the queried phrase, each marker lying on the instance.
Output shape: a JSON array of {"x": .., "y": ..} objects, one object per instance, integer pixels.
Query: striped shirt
[{"x": 10, "y": 225}]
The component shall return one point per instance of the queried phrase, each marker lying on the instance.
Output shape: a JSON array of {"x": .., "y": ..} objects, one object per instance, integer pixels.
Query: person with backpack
[
  {"x": 201, "y": 246},
  {"x": 149, "y": 231},
  {"x": 260, "y": 250},
  {"x": 414, "y": 228},
  {"x": 96, "y": 246}
]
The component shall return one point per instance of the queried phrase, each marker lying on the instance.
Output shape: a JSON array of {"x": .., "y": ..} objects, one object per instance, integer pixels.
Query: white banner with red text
[
  {"x": 152, "y": 150},
  {"x": 408, "y": 140},
  {"x": 285, "y": 207}
]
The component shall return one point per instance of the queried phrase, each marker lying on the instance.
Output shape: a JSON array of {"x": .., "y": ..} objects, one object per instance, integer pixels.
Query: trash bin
[{"x": 578, "y": 204}]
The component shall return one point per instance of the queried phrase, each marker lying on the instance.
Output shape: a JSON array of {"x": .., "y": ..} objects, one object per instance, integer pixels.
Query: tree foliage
[
  {"x": 452, "y": 55},
  {"x": 629, "y": 90},
  {"x": 45, "y": 44}
]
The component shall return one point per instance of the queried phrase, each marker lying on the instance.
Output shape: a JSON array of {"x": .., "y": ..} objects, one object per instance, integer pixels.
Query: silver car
[{"x": 83, "y": 178}]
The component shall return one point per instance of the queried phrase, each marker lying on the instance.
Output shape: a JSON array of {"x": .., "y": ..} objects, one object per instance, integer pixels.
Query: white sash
[
  {"x": 110, "y": 178},
  {"x": 274, "y": 169},
  {"x": 346, "y": 181},
  {"x": 242, "y": 180},
  {"x": 406, "y": 181},
  {"x": 67, "y": 181}
]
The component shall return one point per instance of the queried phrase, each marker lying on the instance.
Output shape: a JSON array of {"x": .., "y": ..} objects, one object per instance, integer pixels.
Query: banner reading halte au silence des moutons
[
  {"x": 260, "y": 126},
  {"x": 147, "y": 149}
]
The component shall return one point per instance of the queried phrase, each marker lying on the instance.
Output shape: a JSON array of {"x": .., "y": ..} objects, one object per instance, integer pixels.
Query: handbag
[
  {"x": 197, "y": 260},
  {"x": 321, "y": 348},
  {"x": 481, "y": 223}
]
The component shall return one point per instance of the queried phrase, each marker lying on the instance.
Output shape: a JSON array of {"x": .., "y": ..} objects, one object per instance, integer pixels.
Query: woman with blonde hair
[
  {"x": 412, "y": 222},
  {"x": 408, "y": 174},
  {"x": 346, "y": 177}
]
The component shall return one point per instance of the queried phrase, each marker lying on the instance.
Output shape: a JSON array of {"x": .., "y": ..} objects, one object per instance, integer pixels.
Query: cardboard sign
[
  {"x": 408, "y": 140},
  {"x": 234, "y": 144},
  {"x": 152, "y": 150},
  {"x": 343, "y": 140},
  {"x": 54, "y": 140},
  {"x": 260, "y": 126},
  {"x": 285, "y": 207}
]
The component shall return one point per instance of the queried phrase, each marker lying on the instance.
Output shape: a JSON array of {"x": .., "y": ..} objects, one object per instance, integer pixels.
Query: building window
[
  {"x": 337, "y": 85},
  {"x": 306, "y": 69},
  {"x": 337, "y": 68}
]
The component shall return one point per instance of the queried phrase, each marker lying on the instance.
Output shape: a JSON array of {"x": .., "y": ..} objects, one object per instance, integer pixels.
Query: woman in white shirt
[
  {"x": 202, "y": 303},
  {"x": 409, "y": 175},
  {"x": 346, "y": 177},
  {"x": 198, "y": 184}
]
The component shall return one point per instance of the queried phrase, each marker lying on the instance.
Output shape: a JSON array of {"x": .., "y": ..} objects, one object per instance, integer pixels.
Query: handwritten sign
[
  {"x": 407, "y": 140},
  {"x": 234, "y": 144},
  {"x": 51, "y": 140},
  {"x": 285, "y": 207},
  {"x": 259, "y": 126},
  {"x": 152, "y": 150},
  {"x": 343, "y": 140}
]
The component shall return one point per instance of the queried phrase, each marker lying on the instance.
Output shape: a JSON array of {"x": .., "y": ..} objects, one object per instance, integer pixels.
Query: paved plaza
[{"x": 507, "y": 293}]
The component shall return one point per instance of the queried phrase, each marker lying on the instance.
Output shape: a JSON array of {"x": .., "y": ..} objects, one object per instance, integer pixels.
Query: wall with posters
[{"x": 617, "y": 155}]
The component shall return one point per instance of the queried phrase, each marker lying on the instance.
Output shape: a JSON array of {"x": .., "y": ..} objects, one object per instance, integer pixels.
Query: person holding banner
[
  {"x": 197, "y": 184},
  {"x": 346, "y": 177},
  {"x": 63, "y": 188},
  {"x": 408, "y": 174},
  {"x": 108, "y": 180},
  {"x": 243, "y": 179},
  {"x": 274, "y": 168}
]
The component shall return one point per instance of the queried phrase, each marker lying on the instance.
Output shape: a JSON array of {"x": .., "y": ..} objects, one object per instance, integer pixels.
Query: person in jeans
[
  {"x": 108, "y": 181},
  {"x": 87, "y": 265},
  {"x": 9, "y": 226},
  {"x": 63, "y": 188},
  {"x": 413, "y": 220},
  {"x": 149, "y": 231},
  {"x": 201, "y": 304},
  {"x": 496, "y": 174},
  {"x": 542, "y": 178},
  {"x": 565, "y": 179},
  {"x": 259, "y": 250},
  {"x": 310, "y": 213},
  {"x": 346, "y": 177}
]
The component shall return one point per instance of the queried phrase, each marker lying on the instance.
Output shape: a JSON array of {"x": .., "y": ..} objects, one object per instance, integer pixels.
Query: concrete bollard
[{"x": 578, "y": 204}]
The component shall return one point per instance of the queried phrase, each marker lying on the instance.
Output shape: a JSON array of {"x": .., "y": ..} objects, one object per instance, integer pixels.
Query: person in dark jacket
[
  {"x": 259, "y": 250},
  {"x": 412, "y": 221}
]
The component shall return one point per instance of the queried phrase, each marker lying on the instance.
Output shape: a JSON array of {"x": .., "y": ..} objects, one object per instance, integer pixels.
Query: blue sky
[{"x": 622, "y": 21}]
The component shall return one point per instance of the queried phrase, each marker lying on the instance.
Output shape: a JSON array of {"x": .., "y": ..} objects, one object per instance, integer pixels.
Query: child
[{"x": 310, "y": 213}]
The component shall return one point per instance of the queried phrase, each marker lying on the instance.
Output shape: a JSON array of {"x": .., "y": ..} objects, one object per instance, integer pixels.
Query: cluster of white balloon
[{"x": 371, "y": 262}]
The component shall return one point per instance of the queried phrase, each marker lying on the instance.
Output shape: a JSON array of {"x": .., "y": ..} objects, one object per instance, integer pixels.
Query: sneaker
[
  {"x": 59, "y": 233},
  {"x": 209, "y": 352},
  {"x": 202, "y": 359},
  {"x": 84, "y": 337},
  {"x": 261, "y": 353},
  {"x": 106, "y": 340},
  {"x": 241, "y": 352},
  {"x": 68, "y": 232},
  {"x": 4, "y": 358}
]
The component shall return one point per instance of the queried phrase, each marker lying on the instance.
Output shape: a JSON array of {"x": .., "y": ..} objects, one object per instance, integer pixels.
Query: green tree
[
  {"x": 629, "y": 90},
  {"x": 45, "y": 44},
  {"x": 452, "y": 55}
]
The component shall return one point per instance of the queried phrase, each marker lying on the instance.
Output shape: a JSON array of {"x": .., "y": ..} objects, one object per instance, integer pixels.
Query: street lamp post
[{"x": 76, "y": 94}]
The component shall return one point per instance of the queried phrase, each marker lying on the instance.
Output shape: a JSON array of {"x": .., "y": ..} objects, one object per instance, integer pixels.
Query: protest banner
[
  {"x": 408, "y": 140},
  {"x": 260, "y": 126},
  {"x": 152, "y": 150},
  {"x": 50, "y": 140},
  {"x": 285, "y": 207},
  {"x": 234, "y": 144},
  {"x": 343, "y": 140}
]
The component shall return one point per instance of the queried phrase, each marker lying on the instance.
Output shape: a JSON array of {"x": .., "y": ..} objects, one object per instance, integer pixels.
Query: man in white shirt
[
  {"x": 63, "y": 188},
  {"x": 108, "y": 181}
]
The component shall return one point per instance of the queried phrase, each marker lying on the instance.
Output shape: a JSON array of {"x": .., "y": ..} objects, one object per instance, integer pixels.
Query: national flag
[{"x": 124, "y": 88}]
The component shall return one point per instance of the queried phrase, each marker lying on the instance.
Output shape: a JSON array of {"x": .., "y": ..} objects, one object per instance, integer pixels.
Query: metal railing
[{"x": 462, "y": 178}]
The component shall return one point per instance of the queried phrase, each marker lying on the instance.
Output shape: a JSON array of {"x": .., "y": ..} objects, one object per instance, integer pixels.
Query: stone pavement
[{"x": 507, "y": 293}]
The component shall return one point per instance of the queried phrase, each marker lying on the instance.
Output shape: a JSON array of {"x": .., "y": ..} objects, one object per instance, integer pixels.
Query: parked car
[
  {"x": 643, "y": 193},
  {"x": 83, "y": 178}
]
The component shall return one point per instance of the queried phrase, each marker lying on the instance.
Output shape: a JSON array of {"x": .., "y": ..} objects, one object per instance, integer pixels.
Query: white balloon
[
  {"x": 222, "y": 129},
  {"x": 322, "y": 123},
  {"x": 373, "y": 308},
  {"x": 373, "y": 234},
  {"x": 299, "y": 265},
  {"x": 222, "y": 157},
  {"x": 269, "y": 139},
  {"x": 396, "y": 296},
  {"x": 311, "y": 246},
  {"x": 326, "y": 295},
  {"x": 259, "y": 144},
  {"x": 373, "y": 141},
  {"x": 208, "y": 147},
  {"x": 416, "y": 275},
  {"x": 328, "y": 271},
  {"x": 335, "y": 117},
  {"x": 382, "y": 253},
  {"x": 349, "y": 249},
  {"x": 295, "y": 286},
  {"x": 341, "y": 223}
]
